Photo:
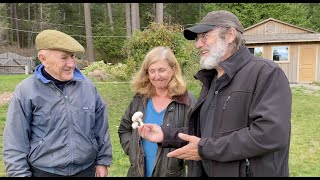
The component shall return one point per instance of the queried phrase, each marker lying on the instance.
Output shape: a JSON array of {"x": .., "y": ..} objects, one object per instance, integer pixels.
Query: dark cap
[{"x": 213, "y": 19}]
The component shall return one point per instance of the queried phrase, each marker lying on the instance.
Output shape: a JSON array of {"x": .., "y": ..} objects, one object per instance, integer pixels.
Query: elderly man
[
  {"x": 241, "y": 124},
  {"x": 57, "y": 122}
]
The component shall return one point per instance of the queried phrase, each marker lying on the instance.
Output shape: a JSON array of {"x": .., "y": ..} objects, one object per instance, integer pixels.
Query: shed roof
[
  {"x": 271, "y": 19},
  {"x": 275, "y": 38}
]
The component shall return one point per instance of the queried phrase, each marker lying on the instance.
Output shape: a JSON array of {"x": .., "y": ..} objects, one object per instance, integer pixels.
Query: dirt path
[{"x": 5, "y": 97}]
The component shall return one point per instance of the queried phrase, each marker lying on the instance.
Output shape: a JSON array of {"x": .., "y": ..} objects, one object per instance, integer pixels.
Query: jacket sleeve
[
  {"x": 269, "y": 130},
  {"x": 171, "y": 139},
  {"x": 101, "y": 129},
  {"x": 125, "y": 129},
  {"x": 16, "y": 138}
]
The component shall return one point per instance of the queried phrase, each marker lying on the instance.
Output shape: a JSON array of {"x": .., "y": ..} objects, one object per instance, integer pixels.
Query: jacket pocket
[
  {"x": 34, "y": 150},
  {"x": 232, "y": 111},
  {"x": 176, "y": 173}
]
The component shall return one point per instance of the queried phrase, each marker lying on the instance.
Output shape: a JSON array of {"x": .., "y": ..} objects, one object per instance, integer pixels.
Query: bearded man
[{"x": 241, "y": 123}]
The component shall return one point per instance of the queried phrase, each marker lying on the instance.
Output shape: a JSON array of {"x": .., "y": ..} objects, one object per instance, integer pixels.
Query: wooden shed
[{"x": 295, "y": 49}]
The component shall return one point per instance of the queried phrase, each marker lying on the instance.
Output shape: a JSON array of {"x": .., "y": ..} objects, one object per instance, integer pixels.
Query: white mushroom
[
  {"x": 135, "y": 125},
  {"x": 137, "y": 119}
]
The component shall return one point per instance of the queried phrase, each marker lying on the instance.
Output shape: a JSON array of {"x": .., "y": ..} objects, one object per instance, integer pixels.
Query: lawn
[{"x": 305, "y": 135}]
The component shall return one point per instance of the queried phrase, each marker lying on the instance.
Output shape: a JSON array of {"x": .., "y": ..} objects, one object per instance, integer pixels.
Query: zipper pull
[
  {"x": 225, "y": 103},
  {"x": 248, "y": 169}
]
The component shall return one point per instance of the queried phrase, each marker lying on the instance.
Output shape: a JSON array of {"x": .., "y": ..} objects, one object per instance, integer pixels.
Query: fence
[{"x": 11, "y": 63}]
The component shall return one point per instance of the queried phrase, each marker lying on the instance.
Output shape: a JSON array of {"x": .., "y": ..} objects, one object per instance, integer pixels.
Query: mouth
[
  {"x": 68, "y": 69},
  {"x": 204, "y": 51}
]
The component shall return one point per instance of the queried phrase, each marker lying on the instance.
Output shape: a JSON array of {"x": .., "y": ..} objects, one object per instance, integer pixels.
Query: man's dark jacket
[{"x": 251, "y": 121}]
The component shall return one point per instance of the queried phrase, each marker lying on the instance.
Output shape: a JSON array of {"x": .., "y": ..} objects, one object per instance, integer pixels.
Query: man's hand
[
  {"x": 189, "y": 151},
  {"x": 151, "y": 132},
  {"x": 101, "y": 171}
]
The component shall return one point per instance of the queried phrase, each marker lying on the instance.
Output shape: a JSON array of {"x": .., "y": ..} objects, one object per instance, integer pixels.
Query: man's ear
[
  {"x": 231, "y": 35},
  {"x": 42, "y": 58}
]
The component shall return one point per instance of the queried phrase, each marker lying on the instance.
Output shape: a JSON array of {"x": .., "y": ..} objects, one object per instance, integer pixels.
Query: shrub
[
  {"x": 154, "y": 35},
  {"x": 100, "y": 71}
]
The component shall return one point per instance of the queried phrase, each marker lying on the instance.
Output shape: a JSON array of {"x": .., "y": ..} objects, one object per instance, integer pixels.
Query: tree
[
  {"x": 110, "y": 15},
  {"x": 159, "y": 13},
  {"x": 128, "y": 19},
  {"x": 87, "y": 17},
  {"x": 135, "y": 19}
]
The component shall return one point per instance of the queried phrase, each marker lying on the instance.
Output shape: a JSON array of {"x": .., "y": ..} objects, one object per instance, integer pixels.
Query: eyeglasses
[{"x": 204, "y": 36}]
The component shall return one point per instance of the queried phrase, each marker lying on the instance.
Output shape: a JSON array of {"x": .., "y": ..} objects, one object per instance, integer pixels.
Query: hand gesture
[
  {"x": 151, "y": 132},
  {"x": 189, "y": 151}
]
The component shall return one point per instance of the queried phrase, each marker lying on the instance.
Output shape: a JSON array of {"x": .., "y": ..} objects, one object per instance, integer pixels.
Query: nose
[
  {"x": 157, "y": 75},
  {"x": 71, "y": 62},
  {"x": 199, "y": 43}
]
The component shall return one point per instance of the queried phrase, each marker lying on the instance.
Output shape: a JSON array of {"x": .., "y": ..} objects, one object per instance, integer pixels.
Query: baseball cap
[{"x": 213, "y": 19}]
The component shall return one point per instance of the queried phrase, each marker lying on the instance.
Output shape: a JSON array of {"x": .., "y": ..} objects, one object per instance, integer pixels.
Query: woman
[{"x": 162, "y": 97}]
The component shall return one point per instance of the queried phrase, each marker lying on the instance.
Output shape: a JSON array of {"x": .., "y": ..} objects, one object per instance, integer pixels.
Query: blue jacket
[{"x": 61, "y": 132}]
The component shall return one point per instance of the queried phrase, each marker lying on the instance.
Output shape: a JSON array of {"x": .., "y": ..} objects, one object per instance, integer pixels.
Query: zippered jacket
[
  {"x": 61, "y": 132},
  {"x": 251, "y": 123}
]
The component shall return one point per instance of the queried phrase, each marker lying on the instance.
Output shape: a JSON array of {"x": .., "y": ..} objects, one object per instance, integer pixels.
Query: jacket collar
[
  {"x": 182, "y": 99},
  {"x": 77, "y": 75},
  {"x": 230, "y": 66}
]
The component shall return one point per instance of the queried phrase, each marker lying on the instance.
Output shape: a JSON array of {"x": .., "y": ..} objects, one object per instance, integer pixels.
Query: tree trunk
[
  {"x": 16, "y": 24},
  {"x": 29, "y": 14},
  {"x": 134, "y": 18},
  {"x": 154, "y": 12},
  {"x": 128, "y": 21},
  {"x": 138, "y": 15},
  {"x": 87, "y": 18},
  {"x": 159, "y": 13},
  {"x": 9, "y": 14},
  {"x": 40, "y": 16},
  {"x": 110, "y": 16}
]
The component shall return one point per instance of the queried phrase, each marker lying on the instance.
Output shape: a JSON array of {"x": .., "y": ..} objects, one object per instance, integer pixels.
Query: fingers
[
  {"x": 185, "y": 137},
  {"x": 177, "y": 152}
]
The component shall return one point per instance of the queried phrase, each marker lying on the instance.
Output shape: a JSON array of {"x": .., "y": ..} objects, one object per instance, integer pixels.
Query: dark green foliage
[
  {"x": 171, "y": 36},
  {"x": 108, "y": 44}
]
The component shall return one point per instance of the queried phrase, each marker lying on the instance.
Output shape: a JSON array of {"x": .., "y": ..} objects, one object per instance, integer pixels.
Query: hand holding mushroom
[{"x": 137, "y": 119}]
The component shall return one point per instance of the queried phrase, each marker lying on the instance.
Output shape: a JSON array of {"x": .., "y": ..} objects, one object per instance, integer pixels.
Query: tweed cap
[
  {"x": 56, "y": 40},
  {"x": 211, "y": 20}
]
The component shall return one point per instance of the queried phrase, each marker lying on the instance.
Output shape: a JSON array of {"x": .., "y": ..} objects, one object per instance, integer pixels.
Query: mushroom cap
[
  {"x": 135, "y": 125},
  {"x": 137, "y": 115}
]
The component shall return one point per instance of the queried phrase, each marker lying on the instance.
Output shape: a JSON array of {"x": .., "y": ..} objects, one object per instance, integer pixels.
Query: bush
[
  {"x": 154, "y": 35},
  {"x": 100, "y": 71}
]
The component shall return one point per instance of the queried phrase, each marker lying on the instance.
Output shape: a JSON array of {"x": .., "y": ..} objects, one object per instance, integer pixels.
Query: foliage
[
  {"x": 252, "y": 13},
  {"x": 108, "y": 45},
  {"x": 170, "y": 36},
  {"x": 114, "y": 72}
]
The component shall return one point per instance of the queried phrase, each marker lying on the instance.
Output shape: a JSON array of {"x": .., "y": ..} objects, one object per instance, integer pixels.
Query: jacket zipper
[{"x": 248, "y": 169}]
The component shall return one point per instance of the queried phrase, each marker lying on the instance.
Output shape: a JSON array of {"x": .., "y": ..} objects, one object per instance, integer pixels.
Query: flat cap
[
  {"x": 214, "y": 19},
  {"x": 56, "y": 40}
]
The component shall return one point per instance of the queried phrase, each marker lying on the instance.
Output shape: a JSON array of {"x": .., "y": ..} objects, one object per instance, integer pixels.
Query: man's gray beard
[
  {"x": 215, "y": 55},
  {"x": 209, "y": 62}
]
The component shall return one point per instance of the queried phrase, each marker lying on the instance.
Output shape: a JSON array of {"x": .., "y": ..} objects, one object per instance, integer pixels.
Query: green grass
[
  {"x": 305, "y": 135},
  {"x": 9, "y": 82}
]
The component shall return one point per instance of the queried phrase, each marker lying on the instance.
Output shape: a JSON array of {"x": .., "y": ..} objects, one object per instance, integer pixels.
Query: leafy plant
[{"x": 155, "y": 35}]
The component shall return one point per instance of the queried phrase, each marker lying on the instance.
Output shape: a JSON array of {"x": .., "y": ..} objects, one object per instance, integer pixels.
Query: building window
[
  {"x": 257, "y": 51},
  {"x": 280, "y": 53}
]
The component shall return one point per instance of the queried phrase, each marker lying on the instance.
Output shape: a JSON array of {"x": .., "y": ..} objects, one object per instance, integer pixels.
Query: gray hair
[{"x": 238, "y": 41}]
